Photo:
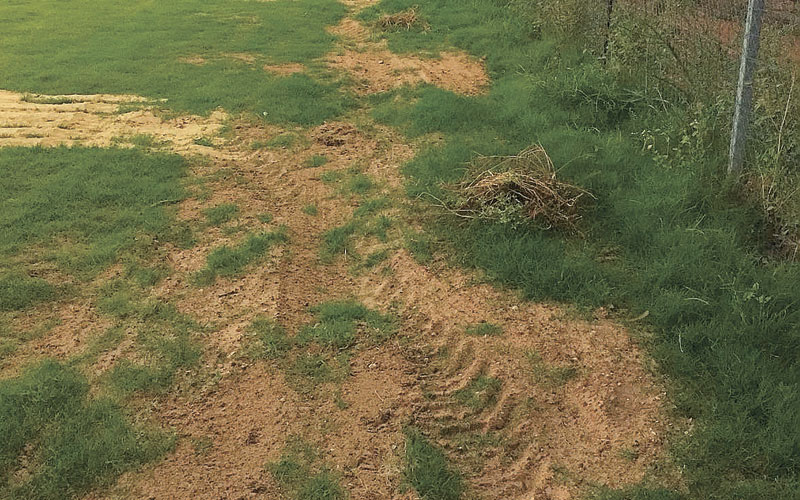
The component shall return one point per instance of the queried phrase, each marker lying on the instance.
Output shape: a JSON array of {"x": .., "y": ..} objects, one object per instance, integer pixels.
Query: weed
[
  {"x": 480, "y": 393},
  {"x": 316, "y": 161},
  {"x": 310, "y": 210},
  {"x": 227, "y": 261},
  {"x": 338, "y": 324},
  {"x": 375, "y": 258},
  {"x": 220, "y": 214},
  {"x": 551, "y": 376},
  {"x": 274, "y": 343},
  {"x": 420, "y": 245},
  {"x": 484, "y": 329},
  {"x": 331, "y": 176},
  {"x": 428, "y": 471},
  {"x": 360, "y": 184}
]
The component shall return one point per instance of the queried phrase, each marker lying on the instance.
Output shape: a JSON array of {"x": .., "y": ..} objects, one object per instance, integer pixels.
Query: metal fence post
[{"x": 744, "y": 91}]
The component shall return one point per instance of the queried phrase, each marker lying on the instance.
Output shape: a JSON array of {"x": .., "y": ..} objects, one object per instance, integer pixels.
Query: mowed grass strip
[{"x": 199, "y": 55}]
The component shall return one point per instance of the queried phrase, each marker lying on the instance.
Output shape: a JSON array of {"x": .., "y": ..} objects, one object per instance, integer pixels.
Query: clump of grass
[
  {"x": 280, "y": 141},
  {"x": 316, "y": 161},
  {"x": 78, "y": 442},
  {"x": 221, "y": 214},
  {"x": 264, "y": 218},
  {"x": 331, "y": 176},
  {"x": 428, "y": 470},
  {"x": 371, "y": 207},
  {"x": 480, "y": 393},
  {"x": 420, "y": 246},
  {"x": 301, "y": 475},
  {"x": 375, "y": 258},
  {"x": 338, "y": 241},
  {"x": 231, "y": 261},
  {"x": 310, "y": 210},
  {"x": 204, "y": 141},
  {"x": 144, "y": 141},
  {"x": 379, "y": 228},
  {"x": 19, "y": 292},
  {"x": 37, "y": 99},
  {"x": 484, "y": 329},
  {"x": 360, "y": 184},
  {"x": 337, "y": 324},
  {"x": 274, "y": 343},
  {"x": 550, "y": 376},
  {"x": 166, "y": 355}
]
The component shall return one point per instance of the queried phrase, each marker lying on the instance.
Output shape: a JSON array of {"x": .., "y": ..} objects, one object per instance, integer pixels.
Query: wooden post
[{"x": 744, "y": 91}]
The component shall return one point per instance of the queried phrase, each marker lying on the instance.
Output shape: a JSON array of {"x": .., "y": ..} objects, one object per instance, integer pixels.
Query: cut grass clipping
[
  {"x": 513, "y": 189},
  {"x": 428, "y": 471},
  {"x": 77, "y": 443},
  {"x": 231, "y": 261}
]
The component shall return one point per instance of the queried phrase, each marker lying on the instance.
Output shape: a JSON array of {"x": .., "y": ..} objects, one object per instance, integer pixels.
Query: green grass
[
  {"x": 285, "y": 140},
  {"x": 360, "y": 184},
  {"x": 265, "y": 218},
  {"x": 480, "y": 393},
  {"x": 420, "y": 246},
  {"x": 338, "y": 324},
  {"x": 428, "y": 471},
  {"x": 674, "y": 239},
  {"x": 79, "y": 46},
  {"x": 310, "y": 210},
  {"x": 484, "y": 329},
  {"x": 220, "y": 214},
  {"x": 231, "y": 261},
  {"x": 19, "y": 292},
  {"x": 70, "y": 441},
  {"x": 316, "y": 161},
  {"x": 272, "y": 338},
  {"x": 299, "y": 473},
  {"x": 82, "y": 207}
]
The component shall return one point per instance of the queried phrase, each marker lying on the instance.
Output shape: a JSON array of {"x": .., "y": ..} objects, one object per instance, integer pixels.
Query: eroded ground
[{"x": 545, "y": 407}]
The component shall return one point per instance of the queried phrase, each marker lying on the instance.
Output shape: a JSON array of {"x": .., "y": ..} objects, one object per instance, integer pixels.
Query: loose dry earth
[{"x": 584, "y": 410}]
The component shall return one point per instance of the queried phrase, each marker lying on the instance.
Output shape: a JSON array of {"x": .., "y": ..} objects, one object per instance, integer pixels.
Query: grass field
[{"x": 138, "y": 286}]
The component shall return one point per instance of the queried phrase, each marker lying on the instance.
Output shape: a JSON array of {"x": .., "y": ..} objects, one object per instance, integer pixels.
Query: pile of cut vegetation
[
  {"x": 405, "y": 20},
  {"x": 514, "y": 189}
]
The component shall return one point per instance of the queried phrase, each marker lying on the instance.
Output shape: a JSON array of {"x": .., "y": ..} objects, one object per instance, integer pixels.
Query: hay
[
  {"x": 405, "y": 20},
  {"x": 517, "y": 188}
]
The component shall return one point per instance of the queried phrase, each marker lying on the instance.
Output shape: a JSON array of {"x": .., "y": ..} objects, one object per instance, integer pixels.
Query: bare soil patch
[{"x": 376, "y": 69}]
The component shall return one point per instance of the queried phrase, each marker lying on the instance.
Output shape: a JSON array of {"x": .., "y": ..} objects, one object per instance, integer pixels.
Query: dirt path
[{"x": 574, "y": 405}]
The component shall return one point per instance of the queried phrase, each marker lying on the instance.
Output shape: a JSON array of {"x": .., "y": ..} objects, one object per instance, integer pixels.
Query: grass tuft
[
  {"x": 428, "y": 471},
  {"x": 220, "y": 214},
  {"x": 231, "y": 261}
]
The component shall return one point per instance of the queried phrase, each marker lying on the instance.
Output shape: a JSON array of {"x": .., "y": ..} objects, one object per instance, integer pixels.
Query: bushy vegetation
[
  {"x": 199, "y": 55},
  {"x": 666, "y": 235}
]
